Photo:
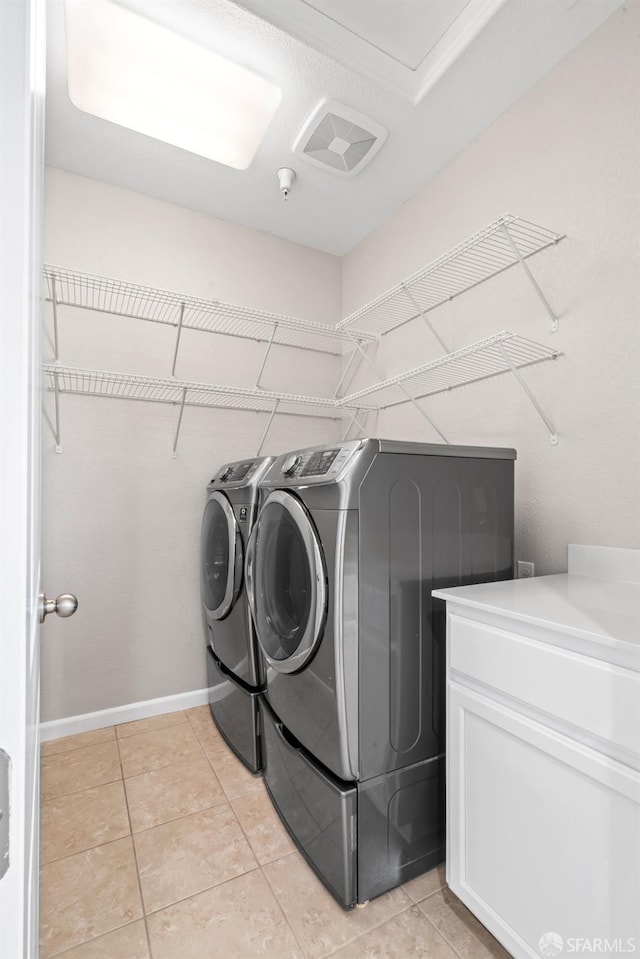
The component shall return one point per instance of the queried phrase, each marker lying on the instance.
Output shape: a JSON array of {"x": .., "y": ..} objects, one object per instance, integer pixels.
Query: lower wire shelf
[
  {"x": 489, "y": 357},
  {"x": 166, "y": 390},
  {"x": 63, "y": 379},
  {"x": 503, "y": 352}
]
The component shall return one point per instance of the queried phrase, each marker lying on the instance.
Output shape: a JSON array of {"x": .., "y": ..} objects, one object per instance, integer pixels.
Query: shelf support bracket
[
  {"x": 179, "y": 424},
  {"x": 269, "y": 422},
  {"x": 266, "y": 356},
  {"x": 349, "y": 364},
  {"x": 354, "y": 422},
  {"x": 552, "y": 432},
  {"x": 54, "y": 427},
  {"x": 532, "y": 279},
  {"x": 47, "y": 419},
  {"x": 408, "y": 395},
  {"x": 423, "y": 315},
  {"x": 57, "y": 400},
  {"x": 54, "y": 304},
  {"x": 343, "y": 375},
  {"x": 178, "y": 335}
]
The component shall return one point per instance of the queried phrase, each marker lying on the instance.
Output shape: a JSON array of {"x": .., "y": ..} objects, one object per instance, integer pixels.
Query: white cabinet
[{"x": 543, "y": 764}]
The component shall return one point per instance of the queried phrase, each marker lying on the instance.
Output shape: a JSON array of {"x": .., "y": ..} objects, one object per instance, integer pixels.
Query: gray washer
[
  {"x": 348, "y": 545},
  {"x": 235, "y": 666}
]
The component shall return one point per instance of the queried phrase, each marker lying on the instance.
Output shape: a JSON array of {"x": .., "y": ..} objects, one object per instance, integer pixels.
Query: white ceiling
[
  {"x": 403, "y": 45},
  {"x": 433, "y": 72}
]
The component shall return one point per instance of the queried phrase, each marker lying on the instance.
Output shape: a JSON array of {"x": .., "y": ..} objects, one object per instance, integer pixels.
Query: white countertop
[{"x": 588, "y": 607}]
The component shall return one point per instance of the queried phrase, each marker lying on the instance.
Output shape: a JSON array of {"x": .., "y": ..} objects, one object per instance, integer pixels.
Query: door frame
[{"x": 22, "y": 88}]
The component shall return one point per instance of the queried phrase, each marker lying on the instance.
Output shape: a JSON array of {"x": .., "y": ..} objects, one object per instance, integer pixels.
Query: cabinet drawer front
[{"x": 600, "y": 699}]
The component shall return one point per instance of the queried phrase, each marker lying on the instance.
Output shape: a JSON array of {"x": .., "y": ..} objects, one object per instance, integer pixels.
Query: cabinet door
[{"x": 543, "y": 832}]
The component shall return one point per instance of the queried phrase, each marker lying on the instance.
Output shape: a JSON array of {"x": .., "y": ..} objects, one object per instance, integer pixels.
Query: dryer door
[
  {"x": 220, "y": 556},
  {"x": 286, "y": 582}
]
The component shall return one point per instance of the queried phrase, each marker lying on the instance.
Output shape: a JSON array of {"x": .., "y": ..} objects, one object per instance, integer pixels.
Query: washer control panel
[
  {"x": 239, "y": 473},
  {"x": 317, "y": 465}
]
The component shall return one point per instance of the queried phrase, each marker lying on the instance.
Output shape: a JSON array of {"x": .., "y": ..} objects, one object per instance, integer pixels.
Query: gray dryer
[{"x": 348, "y": 545}]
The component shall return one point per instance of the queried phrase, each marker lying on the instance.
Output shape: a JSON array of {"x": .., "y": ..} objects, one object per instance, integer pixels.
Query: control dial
[{"x": 289, "y": 465}]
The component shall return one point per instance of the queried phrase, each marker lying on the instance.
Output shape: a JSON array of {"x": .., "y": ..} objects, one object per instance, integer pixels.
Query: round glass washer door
[
  {"x": 286, "y": 583},
  {"x": 221, "y": 556}
]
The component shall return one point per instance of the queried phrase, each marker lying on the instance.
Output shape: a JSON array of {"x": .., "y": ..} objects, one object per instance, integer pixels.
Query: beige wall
[
  {"x": 566, "y": 156},
  {"x": 121, "y": 516}
]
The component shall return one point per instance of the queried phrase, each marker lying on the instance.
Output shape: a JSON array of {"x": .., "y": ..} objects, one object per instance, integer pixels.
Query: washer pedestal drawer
[{"x": 236, "y": 713}]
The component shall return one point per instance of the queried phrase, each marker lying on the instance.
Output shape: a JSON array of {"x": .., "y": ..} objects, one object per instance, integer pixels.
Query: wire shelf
[
  {"x": 489, "y": 357},
  {"x": 121, "y": 298},
  {"x": 478, "y": 258},
  {"x": 159, "y": 390}
]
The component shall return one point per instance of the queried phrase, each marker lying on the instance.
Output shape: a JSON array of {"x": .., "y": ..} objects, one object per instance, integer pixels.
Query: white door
[{"x": 22, "y": 24}]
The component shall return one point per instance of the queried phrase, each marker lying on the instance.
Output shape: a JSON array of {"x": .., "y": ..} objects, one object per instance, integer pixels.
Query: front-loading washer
[
  {"x": 348, "y": 545},
  {"x": 235, "y": 667}
]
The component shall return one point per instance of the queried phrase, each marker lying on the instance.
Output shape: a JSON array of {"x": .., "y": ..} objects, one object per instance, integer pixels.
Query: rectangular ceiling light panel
[{"x": 126, "y": 69}]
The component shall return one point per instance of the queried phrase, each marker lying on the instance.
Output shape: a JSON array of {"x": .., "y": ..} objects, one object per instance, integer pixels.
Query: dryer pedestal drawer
[
  {"x": 236, "y": 713},
  {"x": 318, "y": 810},
  {"x": 401, "y": 826}
]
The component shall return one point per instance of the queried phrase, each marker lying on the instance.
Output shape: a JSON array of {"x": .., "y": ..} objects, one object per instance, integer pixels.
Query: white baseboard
[{"x": 57, "y": 728}]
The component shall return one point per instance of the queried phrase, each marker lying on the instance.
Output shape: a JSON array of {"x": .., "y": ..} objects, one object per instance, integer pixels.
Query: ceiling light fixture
[{"x": 130, "y": 71}]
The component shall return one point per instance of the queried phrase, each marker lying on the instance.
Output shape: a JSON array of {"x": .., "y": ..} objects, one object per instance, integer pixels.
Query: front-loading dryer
[
  {"x": 235, "y": 666},
  {"x": 348, "y": 545}
]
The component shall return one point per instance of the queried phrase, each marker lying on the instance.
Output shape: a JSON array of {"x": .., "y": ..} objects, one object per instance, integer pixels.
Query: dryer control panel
[{"x": 320, "y": 464}]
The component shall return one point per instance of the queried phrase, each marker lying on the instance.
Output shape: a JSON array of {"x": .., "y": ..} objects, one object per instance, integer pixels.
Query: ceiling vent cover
[{"x": 339, "y": 139}]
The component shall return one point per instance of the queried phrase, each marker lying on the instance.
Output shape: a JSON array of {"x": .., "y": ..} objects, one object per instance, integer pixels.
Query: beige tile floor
[{"x": 158, "y": 844}]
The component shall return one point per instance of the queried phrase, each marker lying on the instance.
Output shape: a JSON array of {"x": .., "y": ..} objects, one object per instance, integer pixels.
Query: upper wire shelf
[
  {"x": 121, "y": 298},
  {"x": 500, "y": 245},
  {"x": 504, "y": 352},
  {"x": 185, "y": 393}
]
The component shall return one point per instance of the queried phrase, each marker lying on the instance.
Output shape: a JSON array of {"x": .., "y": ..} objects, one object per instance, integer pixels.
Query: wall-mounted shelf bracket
[
  {"x": 408, "y": 395},
  {"x": 268, "y": 426},
  {"x": 54, "y": 305},
  {"x": 266, "y": 355},
  {"x": 552, "y": 432},
  {"x": 424, "y": 316},
  {"x": 179, "y": 424},
  {"x": 55, "y": 426},
  {"x": 357, "y": 353},
  {"x": 57, "y": 400},
  {"x": 354, "y": 421},
  {"x": 345, "y": 435},
  {"x": 347, "y": 366},
  {"x": 178, "y": 335},
  {"x": 531, "y": 277}
]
